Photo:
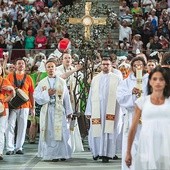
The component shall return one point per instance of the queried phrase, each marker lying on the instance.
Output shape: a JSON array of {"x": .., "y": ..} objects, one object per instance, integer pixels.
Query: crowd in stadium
[{"x": 39, "y": 69}]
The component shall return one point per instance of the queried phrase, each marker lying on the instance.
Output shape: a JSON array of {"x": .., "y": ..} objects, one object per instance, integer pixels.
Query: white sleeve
[
  {"x": 41, "y": 97},
  {"x": 66, "y": 101}
]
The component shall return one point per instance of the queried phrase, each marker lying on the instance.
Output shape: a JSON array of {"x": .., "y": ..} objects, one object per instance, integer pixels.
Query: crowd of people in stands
[
  {"x": 25, "y": 26},
  {"x": 144, "y": 25},
  {"x": 27, "y": 30}
]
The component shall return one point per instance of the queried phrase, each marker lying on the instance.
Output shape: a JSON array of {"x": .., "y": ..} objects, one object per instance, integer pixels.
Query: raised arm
[{"x": 67, "y": 74}]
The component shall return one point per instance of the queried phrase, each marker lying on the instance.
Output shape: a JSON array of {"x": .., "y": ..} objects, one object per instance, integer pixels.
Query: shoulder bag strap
[
  {"x": 16, "y": 82},
  {"x": 23, "y": 80}
]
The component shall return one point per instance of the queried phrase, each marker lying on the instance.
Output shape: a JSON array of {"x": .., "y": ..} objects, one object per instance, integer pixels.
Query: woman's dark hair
[
  {"x": 160, "y": 69},
  {"x": 138, "y": 59}
]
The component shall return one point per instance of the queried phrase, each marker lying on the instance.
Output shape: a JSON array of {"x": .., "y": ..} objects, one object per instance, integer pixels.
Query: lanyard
[{"x": 53, "y": 85}]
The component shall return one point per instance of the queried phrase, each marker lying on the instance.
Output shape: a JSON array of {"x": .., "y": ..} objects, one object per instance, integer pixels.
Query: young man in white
[
  {"x": 102, "y": 110},
  {"x": 68, "y": 72},
  {"x": 52, "y": 93}
]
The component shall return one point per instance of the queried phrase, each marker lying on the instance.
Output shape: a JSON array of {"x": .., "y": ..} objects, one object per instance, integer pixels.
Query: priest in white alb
[
  {"x": 68, "y": 72},
  {"x": 102, "y": 110},
  {"x": 52, "y": 93},
  {"x": 129, "y": 90}
]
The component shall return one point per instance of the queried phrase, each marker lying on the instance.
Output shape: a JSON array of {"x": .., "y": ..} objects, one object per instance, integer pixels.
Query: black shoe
[
  {"x": 32, "y": 141},
  {"x": 55, "y": 160},
  {"x": 10, "y": 153},
  {"x": 115, "y": 157},
  {"x": 1, "y": 158},
  {"x": 96, "y": 158},
  {"x": 62, "y": 159},
  {"x": 19, "y": 152},
  {"x": 105, "y": 159}
]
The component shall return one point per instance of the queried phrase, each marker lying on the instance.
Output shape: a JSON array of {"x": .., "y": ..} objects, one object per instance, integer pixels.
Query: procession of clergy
[{"x": 110, "y": 108}]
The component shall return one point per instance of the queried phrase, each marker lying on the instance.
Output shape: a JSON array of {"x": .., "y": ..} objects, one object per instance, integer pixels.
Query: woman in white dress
[{"x": 154, "y": 110}]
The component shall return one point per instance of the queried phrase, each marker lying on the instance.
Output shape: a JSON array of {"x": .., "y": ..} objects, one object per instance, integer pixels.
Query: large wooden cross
[{"x": 87, "y": 20}]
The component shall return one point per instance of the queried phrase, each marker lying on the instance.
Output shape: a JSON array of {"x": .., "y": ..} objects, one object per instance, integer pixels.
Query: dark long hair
[{"x": 160, "y": 69}]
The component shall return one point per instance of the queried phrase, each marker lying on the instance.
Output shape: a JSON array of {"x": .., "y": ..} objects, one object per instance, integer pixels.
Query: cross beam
[{"x": 87, "y": 20}]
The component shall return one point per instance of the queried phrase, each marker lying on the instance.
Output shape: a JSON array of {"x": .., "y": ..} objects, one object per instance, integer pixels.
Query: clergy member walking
[
  {"x": 102, "y": 111},
  {"x": 52, "y": 93}
]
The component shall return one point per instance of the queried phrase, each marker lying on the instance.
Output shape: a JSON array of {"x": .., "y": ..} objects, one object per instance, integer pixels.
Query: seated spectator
[
  {"x": 125, "y": 32},
  {"x": 136, "y": 9},
  {"x": 39, "y": 6},
  {"x": 31, "y": 27},
  {"x": 27, "y": 6},
  {"x": 2, "y": 42},
  {"x": 158, "y": 10},
  {"x": 147, "y": 32},
  {"x": 164, "y": 42},
  {"x": 163, "y": 28},
  {"x": 154, "y": 20},
  {"x": 148, "y": 46},
  {"x": 137, "y": 24},
  {"x": 165, "y": 16},
  {"x": 55, "y": 8},
  {"x": 124, "y": 46},
  {"x": 123, "y": 8},
  {"x": 45, "y": 15},
  {"x": 41, "y": 40},
  {"x": 163, "y": 4},
  {"x": 165, "y": 63},
  {"x": 13, "y": 13},
  {"x": 147, "y": 6},
  {"x": 127, "y": 16},
  {"x": 156, "y": 45},
  {"x": 19, "y": 22},
  {"x": 47, "y": 28},
  {"x": 29, "y": 40},
  {"x": 137, "y": 43}
]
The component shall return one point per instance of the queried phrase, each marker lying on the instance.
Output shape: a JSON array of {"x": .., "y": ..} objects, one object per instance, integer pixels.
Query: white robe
[
  {"x": 127, "y": 104},
  {"x": 49, "y": 148},
  {"x": 105, "y": 145},
  {"x": 76, "y": 141},
  {"x": 119, "y": 119}
]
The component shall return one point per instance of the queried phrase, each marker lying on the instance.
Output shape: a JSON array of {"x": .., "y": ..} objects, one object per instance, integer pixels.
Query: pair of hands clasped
[{"x": 50, "y": 91}]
